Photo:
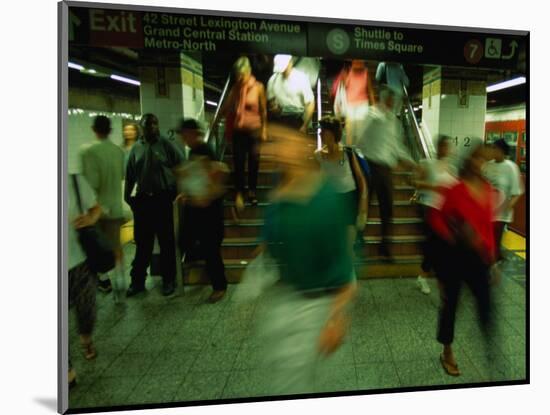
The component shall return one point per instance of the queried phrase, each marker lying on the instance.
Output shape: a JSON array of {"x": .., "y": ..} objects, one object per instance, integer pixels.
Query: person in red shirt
[
  {"x": 246, "y": 110},
  {"x": 466, "y": 250},
  {"x": 352, "y": 94}
]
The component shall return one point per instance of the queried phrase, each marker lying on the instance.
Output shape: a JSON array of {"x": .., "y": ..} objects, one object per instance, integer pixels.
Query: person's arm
[
  {"x": 263, "y": 111},
  {"x": 380, "y": 70},
  {"x": 88, "y": 204},
  {"x": 438, "y": 218},
  {"x": 308, "y": 115},
  {"x": 130, "y": 176},
  {"x": 400, "y": 152},
  {"x": 308, "y": 100},
  {"x": 420, "y": 176},
  {"x": 370, "y": 91},
  {"x": 336, "y": 326},
  {"x": 517, "y": 187},
  {"x": 89, "y": 218},
  {"x": 228, "y": 104},
  {"x": 362, "y": 184}
]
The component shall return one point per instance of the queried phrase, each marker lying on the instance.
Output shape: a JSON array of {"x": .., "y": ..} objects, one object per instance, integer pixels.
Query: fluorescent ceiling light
[
  {"x": 214, "y": 104},
  {"x": 126, "y": 80},
  {"x": 76, "y": 66},
  {"x": 506, "y": 84},
  {"x": 91, "y": 71}
]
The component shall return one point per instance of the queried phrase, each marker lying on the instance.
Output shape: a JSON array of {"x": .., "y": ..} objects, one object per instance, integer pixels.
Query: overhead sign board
[{"x": 186, "y": 32}]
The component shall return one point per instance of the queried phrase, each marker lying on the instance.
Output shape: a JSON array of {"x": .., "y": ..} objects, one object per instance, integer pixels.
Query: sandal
[
  {"x": 89, "y": 350},
  {"x": 451, "y": 369}
]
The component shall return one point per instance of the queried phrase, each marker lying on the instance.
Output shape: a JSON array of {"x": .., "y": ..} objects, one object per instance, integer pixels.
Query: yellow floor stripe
[
  {"x": 513, "y": 242},
  {"x": 127, "y": 233}
]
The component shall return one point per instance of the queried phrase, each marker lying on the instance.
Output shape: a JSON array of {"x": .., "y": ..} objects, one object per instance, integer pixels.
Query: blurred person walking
[
  {"x": 290, "y": 98},
  {"x": 305, "y": 232},
  {"x": 83, "y": 210},
  {"x": 352, "y": 93},
  {"x": 247, "y": 107},
  {"x": 150, "y": 190},
  {"x": 465, "y": 250},
  {"x": 202, "y": 195},
  {"x": 341, "y": 166},
  {"x": 130, "y": 134},
  {"x": 381, "y": 143},
  {"x": 392, "y": 75},
  {"x": 505, "y": 176},
  {"x": 431, "y": 177},
  {"x": 103, "y": 167}
]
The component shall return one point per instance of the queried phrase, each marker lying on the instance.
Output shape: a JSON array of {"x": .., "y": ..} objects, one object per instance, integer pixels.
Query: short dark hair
[
  {"x": 102, "y": 125},
  {"x": 333, "y": 124},
  {"x": 503, "y": 145},
  {"x": 443, "y": 139}
]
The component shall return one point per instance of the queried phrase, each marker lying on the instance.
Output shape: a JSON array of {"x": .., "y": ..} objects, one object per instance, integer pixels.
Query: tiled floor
[{"x": 154, "y": 350}]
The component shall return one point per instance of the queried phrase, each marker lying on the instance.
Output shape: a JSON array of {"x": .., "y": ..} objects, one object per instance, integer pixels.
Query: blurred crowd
[{"x": 317, "y": 211}]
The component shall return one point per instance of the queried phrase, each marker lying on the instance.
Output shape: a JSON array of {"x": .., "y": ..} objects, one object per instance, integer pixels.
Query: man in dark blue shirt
[
  {"x": 150, "y": 190},
  {"x": 203, "y": 215}
]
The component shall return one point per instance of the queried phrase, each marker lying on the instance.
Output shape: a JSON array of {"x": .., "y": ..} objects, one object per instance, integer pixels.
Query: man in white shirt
[
  {"x": 103, "y": 167},
  {"x": 381, "y": 142},
  {"x": 290, "y": 98},
  {"x": 505, "y": 177}
]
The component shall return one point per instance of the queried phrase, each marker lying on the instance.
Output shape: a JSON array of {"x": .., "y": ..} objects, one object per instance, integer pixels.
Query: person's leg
[
  {"x": 382, "y": 185},
  {"x": 82, "y": 294},
  {"x": 144, "y": 236},
  {"x": 449, "y": 287},
  {"x": 111, "y": 230},
  {"x": 499, "y": 231},
  {"x": 253, "y": 149},
  {"x": 164, "y": 229},
  {"x": 239, "y": 159},
  {"x": 477, "y": 280},
  {"x": 211, "y": 242}
]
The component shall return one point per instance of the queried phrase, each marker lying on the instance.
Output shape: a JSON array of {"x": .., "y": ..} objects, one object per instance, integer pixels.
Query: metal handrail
[
  {"x": 208, "y": 135},
  {"x": 421, "y": 140}
]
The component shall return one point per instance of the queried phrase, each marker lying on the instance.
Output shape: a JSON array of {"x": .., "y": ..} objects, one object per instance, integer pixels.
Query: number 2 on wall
[{"x": 467, "y": 141}]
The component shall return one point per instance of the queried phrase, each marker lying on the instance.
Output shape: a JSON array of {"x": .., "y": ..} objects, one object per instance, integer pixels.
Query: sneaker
[
  {"x": 134, "y": 290},
  {"x": 216, "y": 296},
  {"x": 423, "y": 285},
  {"x": 168, "y": 288},
  {"x": 104, "y": 286}
]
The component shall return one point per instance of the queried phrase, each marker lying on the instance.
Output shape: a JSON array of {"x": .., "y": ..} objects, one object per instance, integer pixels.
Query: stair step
[
  {"x": 262, "y": 192},
  {"x": 247, "y": 228},
  {"x": 401, "y": 209},
  {"x": 243, "y": 248},
  {"x": 403, "y": 266}
]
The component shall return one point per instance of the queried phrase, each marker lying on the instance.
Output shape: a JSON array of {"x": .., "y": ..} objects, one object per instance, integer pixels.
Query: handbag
[{"x": 100, "y": 256}]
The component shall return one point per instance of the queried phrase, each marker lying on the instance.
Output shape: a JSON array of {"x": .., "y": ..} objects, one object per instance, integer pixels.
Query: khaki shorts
[{"x": 111, "y": 230}]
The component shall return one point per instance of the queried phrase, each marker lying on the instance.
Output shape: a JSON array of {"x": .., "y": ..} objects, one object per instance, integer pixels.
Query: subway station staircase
[{"x": 242, "y": 230}]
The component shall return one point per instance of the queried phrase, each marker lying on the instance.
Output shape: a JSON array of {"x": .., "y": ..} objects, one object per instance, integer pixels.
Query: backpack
[{"x": 363, "y": 164}]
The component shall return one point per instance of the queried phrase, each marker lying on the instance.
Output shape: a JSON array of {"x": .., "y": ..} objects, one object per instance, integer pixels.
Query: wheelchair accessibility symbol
[{"x": 493, "y": 48}]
